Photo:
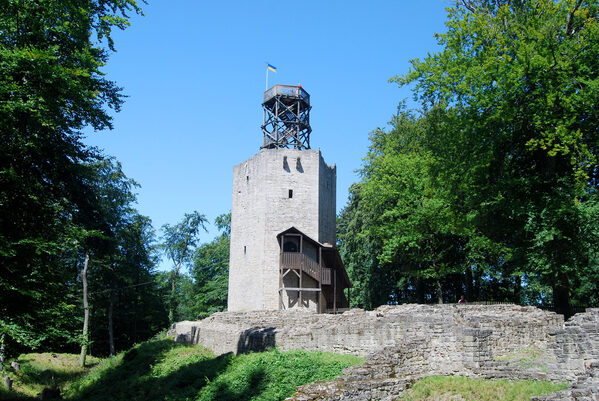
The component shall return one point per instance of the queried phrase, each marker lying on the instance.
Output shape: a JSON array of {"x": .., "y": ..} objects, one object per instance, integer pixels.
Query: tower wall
[{"x": 263, "y": 206}]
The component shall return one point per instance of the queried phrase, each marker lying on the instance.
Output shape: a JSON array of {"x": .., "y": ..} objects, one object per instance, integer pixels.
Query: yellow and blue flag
[{"x": 272, "y": 68}]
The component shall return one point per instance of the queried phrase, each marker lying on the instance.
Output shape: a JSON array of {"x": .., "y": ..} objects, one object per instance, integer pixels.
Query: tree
[
  {"x": 210, "y": 271},
  {"x": 51, "y": 86},
  {"x": 514, "y": 87},
  {"x": 179, "y": 242},
  {"x": 359, "y": 249},
  {"x": 401, "y": 212},
  {"x": 414, "y": 218}
]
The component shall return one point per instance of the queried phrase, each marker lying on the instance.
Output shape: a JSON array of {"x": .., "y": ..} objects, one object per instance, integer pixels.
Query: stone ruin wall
[
  {"x": 570, "y": 353},
  {"x": 404, "y": 343},
  {"x": 363, "y": 333}
]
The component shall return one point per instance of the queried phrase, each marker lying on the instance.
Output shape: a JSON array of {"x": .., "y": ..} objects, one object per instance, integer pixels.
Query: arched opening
[{"x": 290, "y": 245}]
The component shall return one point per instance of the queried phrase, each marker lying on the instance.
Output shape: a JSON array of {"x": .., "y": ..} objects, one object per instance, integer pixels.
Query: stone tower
[{"x": 283, "y": 217}]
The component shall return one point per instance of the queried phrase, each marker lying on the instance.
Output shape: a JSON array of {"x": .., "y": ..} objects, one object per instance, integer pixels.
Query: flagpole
[{"x": 266, "y": 79}]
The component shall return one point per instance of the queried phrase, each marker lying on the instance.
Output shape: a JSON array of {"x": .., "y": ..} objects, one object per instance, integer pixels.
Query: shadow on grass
[
  {"x": 5, "y": 395},
  {"x": 223, "y": 391},
  {"x": 49, "y": 377},
  {"x": 133, "y": 379}
]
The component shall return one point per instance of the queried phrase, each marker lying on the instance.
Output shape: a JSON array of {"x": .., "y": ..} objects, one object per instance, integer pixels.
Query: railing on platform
[
  {"x": 326, "y": 276},
  {"x": 295, "y": 260},
  {"x": 287, "y": 90}
]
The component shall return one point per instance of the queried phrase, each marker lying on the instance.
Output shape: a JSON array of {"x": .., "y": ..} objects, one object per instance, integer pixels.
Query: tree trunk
[
  {"x": 110, "y": 325},
  {"x": 419, "y": 290},
  {"x": 439, "y": 291},
  {"x": 85, "y": 339},
  {"x": 135, "y": 305},
  {"x": 517, "y": 297},
  {"x": 469, "y": 284},
  {"x": 561, "y": 295},
  {"x": 477, "y": 290},
  {"x": 173, "y": 301},
  {"x": 438, "y": 284},
  {"x": 2, "y": 337}
]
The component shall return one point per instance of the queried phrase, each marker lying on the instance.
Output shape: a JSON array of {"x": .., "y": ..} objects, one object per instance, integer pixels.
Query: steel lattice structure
[{"x": 286, "y": 118}]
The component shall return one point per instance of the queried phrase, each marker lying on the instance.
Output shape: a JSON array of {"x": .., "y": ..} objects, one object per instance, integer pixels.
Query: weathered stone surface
[
  {"x": 586, "y": 387},
  {"x": 8, "y": 382},
  {"x": 263, "y": 207},
  {"x": 479, "y": 328},
  {"x": 407, "y": 342}
]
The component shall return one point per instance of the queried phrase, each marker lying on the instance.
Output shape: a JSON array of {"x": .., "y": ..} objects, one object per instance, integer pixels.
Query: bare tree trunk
[
  {"x": 468, "y": 281},
  {"x": 135, "y": 305},
  {"x": 85, "y": 339},
  {"x": 439, "y": 290},
  {"x": 2, "y": 348},
  {"x": 110, "y": 325},
  {"x": 438, "y": 284},
  {"x": 419, "y": 290},
  {"x": 561, "y": 295},
  {"x": 172, "y": 301}
]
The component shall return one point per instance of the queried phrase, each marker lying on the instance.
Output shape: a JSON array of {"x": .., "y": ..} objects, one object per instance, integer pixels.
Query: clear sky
[{"x": 195, "y": 74}]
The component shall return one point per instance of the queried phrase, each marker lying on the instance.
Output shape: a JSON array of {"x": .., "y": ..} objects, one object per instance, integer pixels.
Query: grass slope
[
  {"x": 161, "y": 369},
  {"x": 44, "y": 370},
  {"x": 438, "y": 388}
]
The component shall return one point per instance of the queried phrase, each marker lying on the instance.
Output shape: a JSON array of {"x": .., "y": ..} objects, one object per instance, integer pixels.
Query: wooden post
[
  {"x": 301, "y": 274},
  {"x": 335, "y": 290},
  {"x": 320, "y": 281},
  {"x": 281, "y": 302}
]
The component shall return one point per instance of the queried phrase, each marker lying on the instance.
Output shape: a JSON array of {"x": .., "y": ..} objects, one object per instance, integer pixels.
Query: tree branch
[{"x": 571, "y": 16}]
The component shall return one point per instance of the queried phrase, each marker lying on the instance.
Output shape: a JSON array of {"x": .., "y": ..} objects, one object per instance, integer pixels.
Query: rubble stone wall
[
  {"x": 404, "y": 343},
  {"x": 363, "y": 333}
]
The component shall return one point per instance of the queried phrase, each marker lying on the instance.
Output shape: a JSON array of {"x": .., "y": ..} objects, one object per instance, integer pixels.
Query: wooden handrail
[{"x": 296, "y": 260}]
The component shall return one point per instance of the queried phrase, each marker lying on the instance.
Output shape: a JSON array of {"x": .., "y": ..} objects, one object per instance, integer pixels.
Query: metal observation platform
[{"x": 286, "y": 118}]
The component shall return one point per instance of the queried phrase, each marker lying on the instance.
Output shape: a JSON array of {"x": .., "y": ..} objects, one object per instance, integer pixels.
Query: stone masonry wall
[
  {"x": 447, "y": 327},
  {"x": 407, "y": 342},
  {"x": 570, "y": 354},
  {"x": 273, "y": 191}
]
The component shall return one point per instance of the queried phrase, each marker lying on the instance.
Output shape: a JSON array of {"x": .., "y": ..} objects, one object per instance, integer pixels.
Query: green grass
[
  {"x": 274, "y": 375},
  {"x": 161, "y": 369},
  {"x": 44, "y": 370},
  {"x": 462, "y": 388},
  {"x": 526, "y": 358}
]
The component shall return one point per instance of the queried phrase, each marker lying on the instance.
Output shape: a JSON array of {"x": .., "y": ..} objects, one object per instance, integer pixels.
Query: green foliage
[
  {"x": 491, "y": 190},
  {"x": 179, "y": 243},
  {"x": 454, "y": 387},
  {"x": 162, "y": 369},
  {"x": 371, "y": 284},
  {"x": 40, "y": 370},
  {"x": 210, "y": 271},
  {"x": 51, "y": 87},
  {"x": 274, "y": 375},
  {"x": 514, "y": 84},
  {"x": 414, "y": 219}
]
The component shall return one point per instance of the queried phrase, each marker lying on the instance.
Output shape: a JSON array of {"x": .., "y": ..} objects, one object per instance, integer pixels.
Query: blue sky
[{"x": 194, "y": 73}]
